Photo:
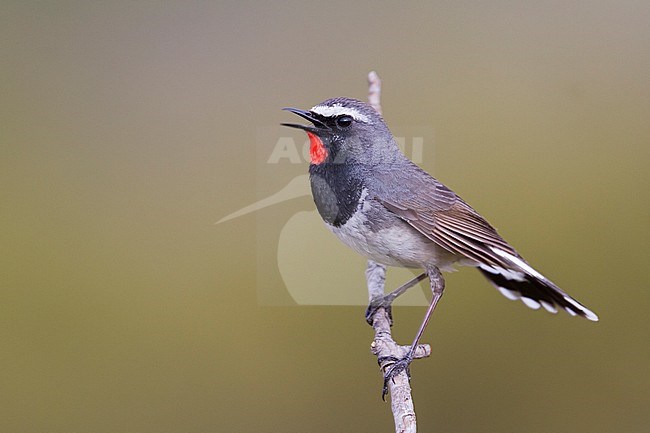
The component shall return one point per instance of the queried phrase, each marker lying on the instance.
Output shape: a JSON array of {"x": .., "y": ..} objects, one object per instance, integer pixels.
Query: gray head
[{"x": 346, "y": 130}]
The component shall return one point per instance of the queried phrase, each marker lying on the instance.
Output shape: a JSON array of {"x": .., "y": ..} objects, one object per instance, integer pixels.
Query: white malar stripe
[
  {"x": 588, "y": 313},
  {"x": 510, "y": 294},
  {"x": 339, "y": 110},
  {"x": 530, "y": 303},
  {"x": 517, "y": 261},
  {"x": 548, "y": 307},
  {"x": 509, "y": 274}
]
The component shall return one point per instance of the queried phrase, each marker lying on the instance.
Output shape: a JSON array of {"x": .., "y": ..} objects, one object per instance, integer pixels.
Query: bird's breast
[
  {"x": 375, "y": 232},
  {"x": 337, "y": 190}
]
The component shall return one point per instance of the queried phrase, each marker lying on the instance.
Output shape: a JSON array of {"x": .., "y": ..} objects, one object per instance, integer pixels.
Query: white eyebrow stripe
[{"x": 338, "y": 110}]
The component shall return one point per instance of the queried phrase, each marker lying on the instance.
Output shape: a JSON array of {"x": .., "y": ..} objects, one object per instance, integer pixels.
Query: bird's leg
[
  {"x": 386, "y": 301},
  {"x": 437, "y": 287}
]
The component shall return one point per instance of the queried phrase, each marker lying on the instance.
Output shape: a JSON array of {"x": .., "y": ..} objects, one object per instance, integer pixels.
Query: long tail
[{"x": 521, "y": 281}]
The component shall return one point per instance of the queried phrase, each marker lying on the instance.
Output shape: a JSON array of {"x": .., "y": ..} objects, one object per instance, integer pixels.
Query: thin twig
[
  {"x": 383, "y": 345},
  {"x": 374, "y": 91}
]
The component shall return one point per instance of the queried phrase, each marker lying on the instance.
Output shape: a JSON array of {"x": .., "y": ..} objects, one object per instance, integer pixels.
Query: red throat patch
[{"x": 317, "y": 150}]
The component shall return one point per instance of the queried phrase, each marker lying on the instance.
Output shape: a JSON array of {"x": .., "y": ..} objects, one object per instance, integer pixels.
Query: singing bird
[{"x": 383, "y": 206}]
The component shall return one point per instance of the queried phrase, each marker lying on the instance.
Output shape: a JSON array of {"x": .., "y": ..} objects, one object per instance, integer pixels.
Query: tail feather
[{"x": 534, "y": 290}]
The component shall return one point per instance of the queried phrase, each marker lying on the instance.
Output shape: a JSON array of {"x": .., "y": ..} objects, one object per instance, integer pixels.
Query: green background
[{"x": 128, "y": 128}]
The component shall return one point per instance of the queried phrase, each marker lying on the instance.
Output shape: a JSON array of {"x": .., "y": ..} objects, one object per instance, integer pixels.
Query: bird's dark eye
[{"x": 344, "y": 121}]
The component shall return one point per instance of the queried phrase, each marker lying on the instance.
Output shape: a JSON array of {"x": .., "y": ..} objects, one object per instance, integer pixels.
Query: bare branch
[
  {"x": 383, "y": 345},
  {"x": 374, "y": 91}
]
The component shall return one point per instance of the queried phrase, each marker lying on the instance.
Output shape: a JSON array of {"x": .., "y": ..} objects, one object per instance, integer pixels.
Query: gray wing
[{"x": 441, "y": 215}]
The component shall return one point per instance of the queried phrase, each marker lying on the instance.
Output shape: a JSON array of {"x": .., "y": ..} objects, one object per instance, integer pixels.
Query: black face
[
  {"x": 321, "y": 124},
  {"x": 335, "y": 124}
]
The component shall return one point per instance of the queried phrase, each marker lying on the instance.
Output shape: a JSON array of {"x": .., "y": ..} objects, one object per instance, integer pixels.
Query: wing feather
[
  {"x": 443, "y": 217},
  {"x": 458, "y": 228}
]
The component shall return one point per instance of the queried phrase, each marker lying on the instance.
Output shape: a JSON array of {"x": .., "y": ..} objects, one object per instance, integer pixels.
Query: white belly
[{"x": 396, "y": 244}]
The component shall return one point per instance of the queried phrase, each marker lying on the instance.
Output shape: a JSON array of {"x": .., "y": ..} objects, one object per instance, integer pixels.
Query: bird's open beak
[{"x": 318, "y": 125}]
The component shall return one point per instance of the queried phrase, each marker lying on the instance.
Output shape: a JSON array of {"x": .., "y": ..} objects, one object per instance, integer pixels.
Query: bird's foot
[
  {"x": 394, "y": 369},
  {"x": 377, "y": 303}
]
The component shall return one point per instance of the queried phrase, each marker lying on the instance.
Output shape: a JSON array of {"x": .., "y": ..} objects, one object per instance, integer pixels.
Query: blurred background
[{"x": 127, "y": 129}]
